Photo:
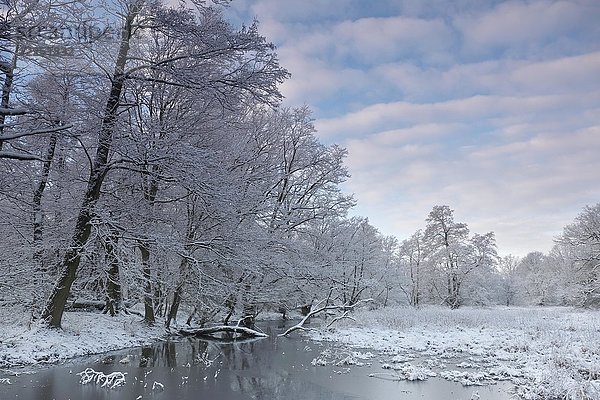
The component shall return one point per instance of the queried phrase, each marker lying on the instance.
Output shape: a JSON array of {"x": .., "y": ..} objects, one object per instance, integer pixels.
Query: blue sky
[{"x": 490, "y": 107}]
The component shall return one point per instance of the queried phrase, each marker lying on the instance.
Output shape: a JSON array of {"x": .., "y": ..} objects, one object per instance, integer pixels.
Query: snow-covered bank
[
  {"x": 83, "y": 333},
  {"x": 545, "y": 352}
]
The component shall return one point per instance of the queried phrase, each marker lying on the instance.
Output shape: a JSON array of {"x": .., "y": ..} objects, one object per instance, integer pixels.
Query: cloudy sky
[{"x": 490, "y": 107}]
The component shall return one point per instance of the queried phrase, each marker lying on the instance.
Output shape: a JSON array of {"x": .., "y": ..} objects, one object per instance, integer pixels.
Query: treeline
[
  {"x": 568, "y": 275},
  {"x": 443, "y": 264},
  {"x": 153, "y": 164}
]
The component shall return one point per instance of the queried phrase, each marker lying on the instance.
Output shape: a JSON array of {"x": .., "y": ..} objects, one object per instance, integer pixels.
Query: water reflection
[
  {"x": 268, "y": 369},
  {"x": 159, "y": 355}
]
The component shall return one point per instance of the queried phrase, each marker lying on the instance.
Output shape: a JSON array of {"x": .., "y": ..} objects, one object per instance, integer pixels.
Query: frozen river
[{"x": 271, "y": 368}]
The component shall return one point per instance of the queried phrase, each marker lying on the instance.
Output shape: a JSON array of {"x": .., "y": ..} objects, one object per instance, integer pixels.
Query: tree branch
[
  {"x": 34, "y": 132},
  {"x": 344, "y": 307},
  {"x": 19, "y": 156}
]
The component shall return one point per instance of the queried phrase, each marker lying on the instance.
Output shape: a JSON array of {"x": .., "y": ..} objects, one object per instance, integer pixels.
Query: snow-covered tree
[
  {"x": 412, "y": 255},
  {"x": 508, "y": 267},
  {"x": 454, "y": 255},
  {"x": 580, "y": 241},
  {"x": 211, "y": 59}
]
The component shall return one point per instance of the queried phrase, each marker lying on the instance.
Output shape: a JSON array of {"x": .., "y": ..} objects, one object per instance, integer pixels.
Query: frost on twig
[
  {"x": 343, "y": 316},
  {"x": 112, "y": 380}
]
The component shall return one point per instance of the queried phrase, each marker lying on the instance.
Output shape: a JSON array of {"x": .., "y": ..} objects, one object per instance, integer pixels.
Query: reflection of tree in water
[
  {"x": 160, "y": 355},
  {"x": 171, "y": 354},
  {"x": 254, "y": 372},
  {"x": 254, "y": 369},
  {"x": 203, "y": 353},
  {"x": 198, "y": 349}
]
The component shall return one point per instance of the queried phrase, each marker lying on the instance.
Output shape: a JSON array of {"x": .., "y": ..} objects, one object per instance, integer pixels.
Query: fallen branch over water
[
  {"x": 316, "y": 310},
  {"x": 242, "y": 331}
]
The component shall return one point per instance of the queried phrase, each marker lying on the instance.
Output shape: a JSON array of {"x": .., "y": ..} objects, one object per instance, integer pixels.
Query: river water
[{"x": 269, "y": 369}]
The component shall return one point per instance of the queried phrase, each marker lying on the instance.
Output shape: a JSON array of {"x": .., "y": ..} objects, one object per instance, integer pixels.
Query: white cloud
[
  {"x": 521, "y": 25},
  {"x": 474, "y": 109},
  {"x": 376, "y": 40},
  {"x": 313, "y": 79},
  {"x": 501, "y": 77},
  {"x": 562, "y": 75}
]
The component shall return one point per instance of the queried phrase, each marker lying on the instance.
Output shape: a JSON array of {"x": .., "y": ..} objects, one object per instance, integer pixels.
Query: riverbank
[
  {"x": 544, "y": 352},
  {"x": 83, "y": 333}
]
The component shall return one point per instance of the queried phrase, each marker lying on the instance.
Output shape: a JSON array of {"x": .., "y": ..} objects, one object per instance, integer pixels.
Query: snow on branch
[
  {"x": 35, "y": 132},
  {"x": 19, "y": 156},
  {"x": 112, "y": 380},
  {"x": 240, "y": 330},
  {"x": 12, "y": 111},
  {"x": 316, "y": 310}
]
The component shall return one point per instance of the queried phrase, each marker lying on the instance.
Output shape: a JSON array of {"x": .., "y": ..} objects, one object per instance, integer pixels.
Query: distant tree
[
  {"x": 581, "y": 240},
  {"x": 536, "y": 273},
  {"x": 412, "y": 255},
  {"x": 388, "y": 272},
  {"x": 508, "y": 267},
  {"x": 453, "y": 254}
]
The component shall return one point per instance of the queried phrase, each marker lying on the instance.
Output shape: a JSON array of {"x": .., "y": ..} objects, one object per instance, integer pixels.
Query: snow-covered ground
[
  {"x": 83, "y": 333},
  {"x": 545, "y": 352}
]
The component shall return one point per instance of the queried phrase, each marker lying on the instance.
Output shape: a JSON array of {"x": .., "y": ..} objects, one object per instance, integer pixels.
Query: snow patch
[
  {"x": 410, "y": 372},
  {"x": 83, "y": 333},
  {"x": 111, "y": 381}
]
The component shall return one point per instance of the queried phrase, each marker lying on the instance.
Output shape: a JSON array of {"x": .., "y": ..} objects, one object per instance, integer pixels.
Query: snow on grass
[
  {"x": 344, "y": 358},
  {"x": 83, "y": 333},
  {"x": 545, "y": 352},
  {"x": 410, "y": 372}
]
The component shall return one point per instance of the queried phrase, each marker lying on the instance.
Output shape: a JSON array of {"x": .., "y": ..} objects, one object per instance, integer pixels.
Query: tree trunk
[
  {"x": 159, "y": 301},
  {"x": 174, "y": 306},
  {"x": 230, "y": 304},
  {"x": 9, "y": 74},
  {"x": 55, "y": 305},
  {"x": 191, "y": 316},
  {"x": 249, "y": 308},
  {"x": 190, "y": 233},
  {"x": 249, "y": 311},
  {"x": 37, "y": 201},
  {"x": 114, "y": 296},
  {"x": 453, "y": 291},
  {"x": 38, "y": 221},
  {"x": 148, "y": 303}
]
